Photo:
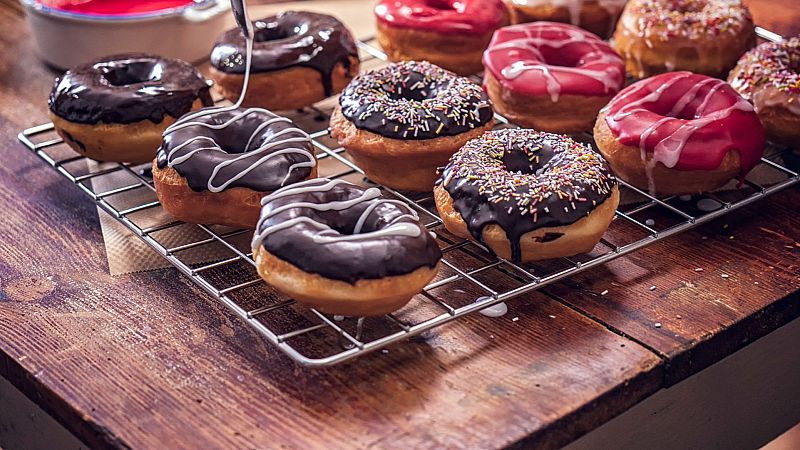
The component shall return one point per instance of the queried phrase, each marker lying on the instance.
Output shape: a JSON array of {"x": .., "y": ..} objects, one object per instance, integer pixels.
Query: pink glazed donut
[
  {"x": 679, "y": 133},
  {"x": 449, "y": 33},
  {"x": 551, "y": 76}
]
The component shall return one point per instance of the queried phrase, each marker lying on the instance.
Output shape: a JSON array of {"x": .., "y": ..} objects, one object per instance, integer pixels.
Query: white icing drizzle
[
  {"x": 327, "y": 235},
  {"x": 608, "y": 77},
  {"x": 274, "y": 140}
]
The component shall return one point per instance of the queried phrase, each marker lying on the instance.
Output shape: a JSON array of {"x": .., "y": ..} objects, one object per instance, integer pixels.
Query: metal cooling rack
[{"x": 470, "y": 279}]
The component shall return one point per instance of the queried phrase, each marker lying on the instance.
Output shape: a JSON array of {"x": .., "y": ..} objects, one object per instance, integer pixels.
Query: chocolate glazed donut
[
  {"x": 299, "y": 58},
  {"x": 215, "y": 165},
  {"x": 401, "y": 122},
  {"x": 343, "y": 249},
  {"x": 528, "y": 195},
  {"x": 115, "y": 108}
]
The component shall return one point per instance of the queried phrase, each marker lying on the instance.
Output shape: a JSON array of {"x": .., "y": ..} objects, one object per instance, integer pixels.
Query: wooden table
[{"x": 146, "y": 360}]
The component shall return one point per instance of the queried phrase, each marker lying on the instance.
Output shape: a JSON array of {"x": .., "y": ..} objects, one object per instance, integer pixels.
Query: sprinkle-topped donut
[
  {"x": 291, "y": 38},
  {"x": 218, "y": 148},
  {"x": 343, "y": 232},
  {"x": 770, "y": 74},
  {"x": 769, "y": 77},
  {"x": 701, "y": 36},
  {"x": 415, "y": 100},
  {"x": 443, "y": 16},
  {"x": 548, "y": 58},
  {"x": 523, "y": 180},
  {"x": 689, "y": 18},
  {"x": 129, "y": 88},
  {"x": 686, "y": 121}
]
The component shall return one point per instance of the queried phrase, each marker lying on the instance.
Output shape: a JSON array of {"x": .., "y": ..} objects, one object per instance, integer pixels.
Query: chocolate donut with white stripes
[
  {"x": 342, "y": 248},
  {"x": 214, "y": 165}
]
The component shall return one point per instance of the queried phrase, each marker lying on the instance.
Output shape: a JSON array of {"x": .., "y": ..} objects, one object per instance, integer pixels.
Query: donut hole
[
  {"x": 515, "y": 160},
  {"x": 131, "y": 72},
  {"x": 559, "y": 58},
  {"x": 687, "y": 7},
  {"x": 445, "y": 5},
  {"x": 414, "y": 89},
  {"x": 275, "y": 31},
  {"x": 344, "y": 222}
]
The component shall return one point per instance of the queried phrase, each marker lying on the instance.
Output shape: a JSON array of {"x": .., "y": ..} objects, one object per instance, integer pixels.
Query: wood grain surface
[{"x": 147, "y": 360}]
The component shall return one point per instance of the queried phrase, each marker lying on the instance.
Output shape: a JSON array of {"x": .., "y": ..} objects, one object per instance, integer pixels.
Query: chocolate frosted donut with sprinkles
[
  {"x": 342, "y": 248},
  {"x": 769, "y": 77},
  {"x": 701, "y": 36},
  {"x": 403, "y": 121},
  {"x": 215, "y": 165},
  {"x": 527, "y": 195}
]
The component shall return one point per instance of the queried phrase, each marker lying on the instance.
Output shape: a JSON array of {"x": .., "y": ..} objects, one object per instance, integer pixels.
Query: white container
[{"x": 66, "y": 39}]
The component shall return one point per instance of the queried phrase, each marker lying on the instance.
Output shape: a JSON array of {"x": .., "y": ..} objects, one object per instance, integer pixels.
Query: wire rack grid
[{"x": 471, "y": 277}]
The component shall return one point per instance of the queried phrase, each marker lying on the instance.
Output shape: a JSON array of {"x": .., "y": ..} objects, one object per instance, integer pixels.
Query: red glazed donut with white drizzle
[
  {"x": 550, "y": 76},
  {"x": 679, "y": 133},
  {"x": 451, "y": 34}
]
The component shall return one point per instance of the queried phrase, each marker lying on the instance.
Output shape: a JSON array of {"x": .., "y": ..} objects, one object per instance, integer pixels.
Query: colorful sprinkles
[
  {"x": 689, "y": 18},
  {"x": 775, "y": 64},
  {"x": 415, "y": 100}
]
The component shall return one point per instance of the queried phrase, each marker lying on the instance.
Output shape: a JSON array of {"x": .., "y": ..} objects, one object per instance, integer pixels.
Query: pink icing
[
  {"x": 443, "y": 16},
  {"x": 686, "y": 121},
  {"x": 547, "y": 58}
]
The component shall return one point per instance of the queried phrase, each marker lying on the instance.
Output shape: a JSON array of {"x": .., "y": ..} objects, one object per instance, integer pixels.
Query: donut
[
  {"x": 401, "y": 122},
  {"x": 527, "y": 195},
  {"x": 701, "y": 36},
  {"x": 679, "y": 133},
  {"x": 343, "y": 249},
  {"x": 215, "y": 165},
  {"x": 115, "y": 108},
  {"x": 550, "y": 76},
  {"x": 299, "y": 58},
  {"x": 595, "y": 16},
  {"x": 769, "y": 77},
  {"x": 451, "y": 34}
]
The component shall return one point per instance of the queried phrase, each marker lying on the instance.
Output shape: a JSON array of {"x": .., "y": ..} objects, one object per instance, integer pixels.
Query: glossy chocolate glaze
[
  {"x": 415, "y": 100},
  {"x": 324, "y": 239},
  {"x": 523, "y": 180},
  {"x": 289, "y": 39},
  {"x": 128, "y": 88},
  {"x": 195, "y": 150}
]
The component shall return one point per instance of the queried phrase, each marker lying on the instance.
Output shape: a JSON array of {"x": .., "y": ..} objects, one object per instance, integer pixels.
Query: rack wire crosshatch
[{"x": 471, "y": 277}]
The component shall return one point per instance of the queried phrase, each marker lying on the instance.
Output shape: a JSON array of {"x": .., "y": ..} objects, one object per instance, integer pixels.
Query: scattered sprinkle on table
[
  {"x": 604, "y": 292},
  {"x": 657, "y": 324},
  {"x": 652, "y": 288}
]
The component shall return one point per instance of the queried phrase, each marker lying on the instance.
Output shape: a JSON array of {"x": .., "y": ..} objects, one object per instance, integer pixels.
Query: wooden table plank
[{"x": 730, "y": 282}]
